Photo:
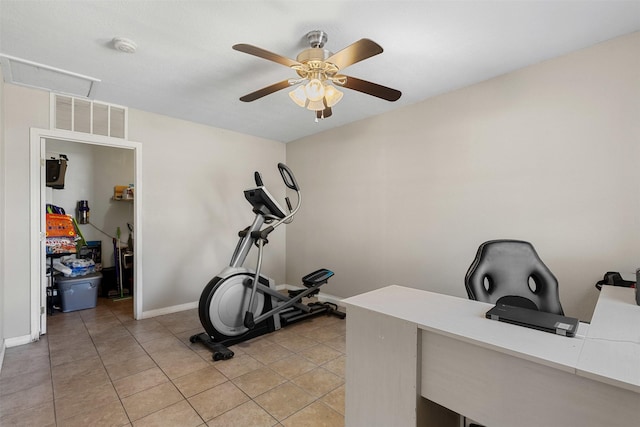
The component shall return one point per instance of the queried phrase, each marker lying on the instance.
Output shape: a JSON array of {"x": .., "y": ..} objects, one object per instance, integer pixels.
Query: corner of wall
[
  {"x": 2, "y": 221},
  {"x": 2, "y": 348}
]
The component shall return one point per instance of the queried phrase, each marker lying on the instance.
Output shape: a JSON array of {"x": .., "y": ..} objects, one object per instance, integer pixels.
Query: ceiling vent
[
  {"x": 31, "y": 74},
  {"x": 83, "y": 115}
]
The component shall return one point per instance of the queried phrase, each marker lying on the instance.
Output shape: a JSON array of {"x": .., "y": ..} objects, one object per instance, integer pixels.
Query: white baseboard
[
  {"x": 322, "y": 297},
  {"x": 188, "y": 306},
  {"x": 169, "y": 310},
  {"x": 330, "y": 298},
  {"x": 12, "y": 342},
  {"x": 16, "y": 341}
]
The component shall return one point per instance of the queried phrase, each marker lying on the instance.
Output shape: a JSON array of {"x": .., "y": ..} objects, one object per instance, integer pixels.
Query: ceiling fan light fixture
[
  {"x": 299, "y": 96},
  {"x": 315, "y": 95},
  {"x": 314, "y": 90},
  {"x": 317, "y": 69},
  {"x": 332, "y": 95},
  {"x": 316, "y": 105}
]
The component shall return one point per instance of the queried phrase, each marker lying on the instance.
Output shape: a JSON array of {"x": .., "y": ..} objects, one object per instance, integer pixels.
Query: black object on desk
[
  {"x": 541, "y": 320},
  {"x": 614, "y": 278}
]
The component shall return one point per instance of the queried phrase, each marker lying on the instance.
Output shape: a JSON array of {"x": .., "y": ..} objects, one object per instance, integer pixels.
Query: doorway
[{"x": 86, "y": 149}]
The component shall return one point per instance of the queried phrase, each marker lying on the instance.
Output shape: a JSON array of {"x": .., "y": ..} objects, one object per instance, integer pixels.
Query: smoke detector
[{"x": 122, "y": 44}]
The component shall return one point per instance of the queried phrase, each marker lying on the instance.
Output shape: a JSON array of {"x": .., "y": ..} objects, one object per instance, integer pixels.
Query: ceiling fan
[{"x": 318, "y": 74}]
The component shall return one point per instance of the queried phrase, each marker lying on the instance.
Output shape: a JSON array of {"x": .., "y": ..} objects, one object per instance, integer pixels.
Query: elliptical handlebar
[
  {"x": 258, "y": 179},
  {"x": 266, "y": 207},
  {"x": 258, "y": 235},
  {"x": 267, "y": 211},
  {"x": 289, "y": 180},
  {"x": 288, "y": 177}
]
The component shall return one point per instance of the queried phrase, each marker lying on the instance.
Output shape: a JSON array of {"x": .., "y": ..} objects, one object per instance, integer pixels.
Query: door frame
[{"x": 37, "y": 219}]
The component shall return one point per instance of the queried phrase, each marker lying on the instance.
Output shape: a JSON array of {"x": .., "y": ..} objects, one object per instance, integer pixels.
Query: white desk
[
  {"x": 611, "y": 351},
  {"x": 405, "y": 344}
]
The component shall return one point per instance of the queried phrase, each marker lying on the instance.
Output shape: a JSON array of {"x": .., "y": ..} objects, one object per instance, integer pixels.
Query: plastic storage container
[{"x": 78, "y": 293}]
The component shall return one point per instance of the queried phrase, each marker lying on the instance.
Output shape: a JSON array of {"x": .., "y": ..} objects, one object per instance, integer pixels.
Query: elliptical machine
[{"x": 239, "y": 303}]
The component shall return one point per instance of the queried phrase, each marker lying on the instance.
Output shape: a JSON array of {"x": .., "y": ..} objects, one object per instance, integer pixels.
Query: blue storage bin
[{"x": 78, "y": 293}]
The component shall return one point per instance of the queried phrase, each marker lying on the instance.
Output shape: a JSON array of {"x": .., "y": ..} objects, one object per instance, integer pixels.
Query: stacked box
[{"x": 92, "y": 250}]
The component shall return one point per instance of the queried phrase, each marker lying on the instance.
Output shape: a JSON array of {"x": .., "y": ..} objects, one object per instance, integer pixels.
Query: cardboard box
[{"x": 119, "y": 191}]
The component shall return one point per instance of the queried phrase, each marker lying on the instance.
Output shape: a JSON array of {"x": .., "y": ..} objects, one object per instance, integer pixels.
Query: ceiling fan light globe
[
  {"x": 332, "y": 95},
  {"x": 298, "y": 96},
  {"x": 314, "y": 90},
  {"x": 316, "y": 105}
]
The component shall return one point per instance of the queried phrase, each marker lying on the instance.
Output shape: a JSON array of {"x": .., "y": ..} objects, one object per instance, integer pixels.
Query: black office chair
[{"x": 511, "y": 272}]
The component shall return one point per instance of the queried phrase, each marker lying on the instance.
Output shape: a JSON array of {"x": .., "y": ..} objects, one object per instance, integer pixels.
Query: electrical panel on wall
[{"x": 83, "y": 115}]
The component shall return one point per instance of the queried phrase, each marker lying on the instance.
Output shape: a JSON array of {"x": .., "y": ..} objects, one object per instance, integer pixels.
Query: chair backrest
[{"x": 511, "y": 271}]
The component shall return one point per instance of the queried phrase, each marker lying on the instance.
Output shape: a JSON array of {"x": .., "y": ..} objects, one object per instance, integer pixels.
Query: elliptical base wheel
[{"x": 219, "y": 351}]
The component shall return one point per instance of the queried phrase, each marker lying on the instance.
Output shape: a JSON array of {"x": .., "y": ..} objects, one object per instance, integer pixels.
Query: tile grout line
[
  {"x": 105, "y": 367},
  {"x": 160, "y": 368},
  {"x": 53, "y": 390},
  {"x": 305, "y": 334}
]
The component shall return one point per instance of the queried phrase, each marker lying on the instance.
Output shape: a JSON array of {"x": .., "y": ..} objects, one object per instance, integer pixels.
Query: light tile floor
[{"x": 99, "y": 367}]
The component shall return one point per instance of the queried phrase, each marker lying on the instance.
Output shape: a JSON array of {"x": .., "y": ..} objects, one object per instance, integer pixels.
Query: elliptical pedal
[
  {"x": 313, "y": 279},
  {"x": 317, "y": 278}
]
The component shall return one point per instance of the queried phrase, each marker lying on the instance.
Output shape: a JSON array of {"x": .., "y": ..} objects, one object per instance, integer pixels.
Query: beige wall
[
  {"x": 2, "y": 216},
  {"x": 24, "y": 108},
  {"x": 192, "y": 203},
  {"x": 547, "y": 154}
]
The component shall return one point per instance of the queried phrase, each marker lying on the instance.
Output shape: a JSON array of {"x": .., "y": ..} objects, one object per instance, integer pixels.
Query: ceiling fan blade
[
  {"x": 265, "y": 54},
  {"x": 356, "y": 52},
  {"x": 372, "y": 89},
  {"x": 265, "y": 91}
]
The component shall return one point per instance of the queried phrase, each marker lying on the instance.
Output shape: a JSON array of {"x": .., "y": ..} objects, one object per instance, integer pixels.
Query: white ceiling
[{"x": 184, "y": 66}]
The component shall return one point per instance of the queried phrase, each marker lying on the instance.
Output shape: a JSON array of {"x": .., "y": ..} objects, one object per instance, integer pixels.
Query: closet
[{"x": 97, "y": 190}]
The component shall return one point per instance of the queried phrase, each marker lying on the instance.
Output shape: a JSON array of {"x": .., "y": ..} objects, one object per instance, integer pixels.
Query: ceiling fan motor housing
[
  {"x": 313, "y": 64},
  {"x": 313, "y": 54},
  {"x": 312, "y": 60},
  {"x": 317, "y": 38}
]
